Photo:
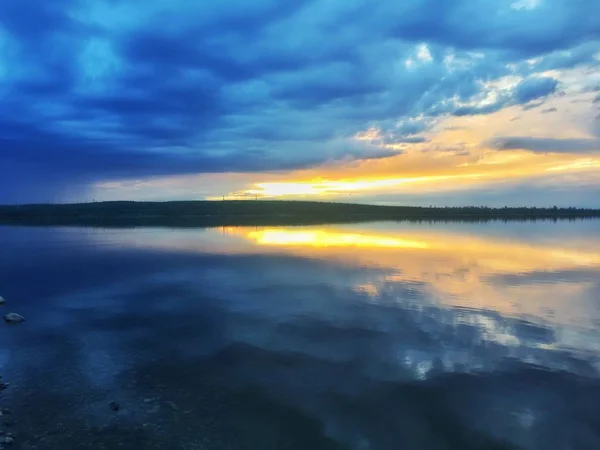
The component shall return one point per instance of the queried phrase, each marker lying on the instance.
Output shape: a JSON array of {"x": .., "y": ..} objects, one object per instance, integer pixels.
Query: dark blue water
[{"x": 378, "y": 336}]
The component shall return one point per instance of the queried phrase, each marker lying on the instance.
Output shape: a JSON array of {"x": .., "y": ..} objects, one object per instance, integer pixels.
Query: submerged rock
[
  {"x": 9, "y": 423},
  {"x": 114, "y": 406},
  {"x": 14, "y": 318}
]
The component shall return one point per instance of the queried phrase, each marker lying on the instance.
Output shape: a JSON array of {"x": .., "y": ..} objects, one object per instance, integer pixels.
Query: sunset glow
[
  {"x": 323, "y": 187},
  {"x": 314, "y": 224},
  {"x": 456, "y": 115}
]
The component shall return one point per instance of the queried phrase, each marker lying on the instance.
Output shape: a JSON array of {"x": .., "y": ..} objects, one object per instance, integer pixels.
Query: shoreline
[{"x": 257, "y": 213}]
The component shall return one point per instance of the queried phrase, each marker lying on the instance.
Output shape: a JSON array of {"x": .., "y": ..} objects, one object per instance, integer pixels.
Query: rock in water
[
  {"x": 114, "y": 406},
  {"x": 2, "y": 300},
  {"x": 14, "y": 318},
  {"x": 9, "y": 422}
]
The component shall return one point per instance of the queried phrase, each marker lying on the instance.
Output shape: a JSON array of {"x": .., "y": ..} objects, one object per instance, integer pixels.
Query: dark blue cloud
[
  {"x": 546, "y": 145},
  {"x": 534, "y": 88},
  {"x": 533, "y": 105},
  {"x": 565, "y": 59},
  {"x": 466, "y": 24},
  {"x": 95, "y": 90}
]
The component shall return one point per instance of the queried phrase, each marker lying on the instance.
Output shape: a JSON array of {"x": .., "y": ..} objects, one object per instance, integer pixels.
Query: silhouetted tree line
[{"x": 252, "y": 212}]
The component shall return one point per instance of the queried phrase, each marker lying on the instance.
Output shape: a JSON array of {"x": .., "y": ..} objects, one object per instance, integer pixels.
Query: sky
[{"x": 419, "y": 102}]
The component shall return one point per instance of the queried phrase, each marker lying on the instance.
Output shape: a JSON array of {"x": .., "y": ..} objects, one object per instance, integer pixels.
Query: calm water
[{"x": 369, "y": 336}]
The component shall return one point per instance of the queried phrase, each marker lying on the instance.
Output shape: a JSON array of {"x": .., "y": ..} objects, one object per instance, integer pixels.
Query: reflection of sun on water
[
  {"x": 323, "y": 238},
  {"x": 503, "y": 256},
  {"x": 510, "y": 275}
]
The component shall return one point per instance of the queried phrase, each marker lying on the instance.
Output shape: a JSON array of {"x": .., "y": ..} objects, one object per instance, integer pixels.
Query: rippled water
[{"x": 366, "y": 336}]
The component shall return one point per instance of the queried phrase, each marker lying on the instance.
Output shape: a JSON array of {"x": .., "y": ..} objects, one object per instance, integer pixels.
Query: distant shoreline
[{"x": 260, "y": 213}]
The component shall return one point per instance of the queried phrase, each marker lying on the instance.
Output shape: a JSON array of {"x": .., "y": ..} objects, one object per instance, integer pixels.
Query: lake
[{"x": 363, "y": 336}]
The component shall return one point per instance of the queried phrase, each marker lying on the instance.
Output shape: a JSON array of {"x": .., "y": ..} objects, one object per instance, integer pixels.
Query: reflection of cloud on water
[
  {"x": 548, "y": 282},
  {"x": 520, "y": 272},
  {"x": 312, "y": 341},
  {"x": 382, "y": 345},
  {"x": 513, "y": 276},
  {"x": 290, "y": 305}
]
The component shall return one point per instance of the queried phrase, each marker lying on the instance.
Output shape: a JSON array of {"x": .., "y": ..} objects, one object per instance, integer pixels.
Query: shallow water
[{"x": 365, "y": 336}]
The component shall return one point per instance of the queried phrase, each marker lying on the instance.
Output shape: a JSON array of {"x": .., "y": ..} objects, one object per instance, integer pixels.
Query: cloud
[
  {"x": 549, "y": 110},
  {"x": 546, "y": 145},
  {"x": 525, "y": 93},
  {"x": 410, "y": 140},
  {"x": 475, "y": 110},
  {"x": 534, "y": 88},
  {"x": 96, "y": 91},
  {"x": 591, "y": 88},
  {"x": 533, "y": 105},
  {"x": 542, "y": 192},
  {"x": 583, "y": 54}
]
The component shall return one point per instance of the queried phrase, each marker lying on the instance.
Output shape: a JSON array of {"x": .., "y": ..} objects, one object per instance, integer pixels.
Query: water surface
[{"x": 365, "y": 336}]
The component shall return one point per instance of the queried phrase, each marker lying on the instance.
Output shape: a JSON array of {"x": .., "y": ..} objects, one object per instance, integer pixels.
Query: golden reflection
[
  {"x": 324, "y": 238},
  {"x": 502, "y": 255},
  {"x": 509, "y": 269},
  {"x": 529, "y": 276}
]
